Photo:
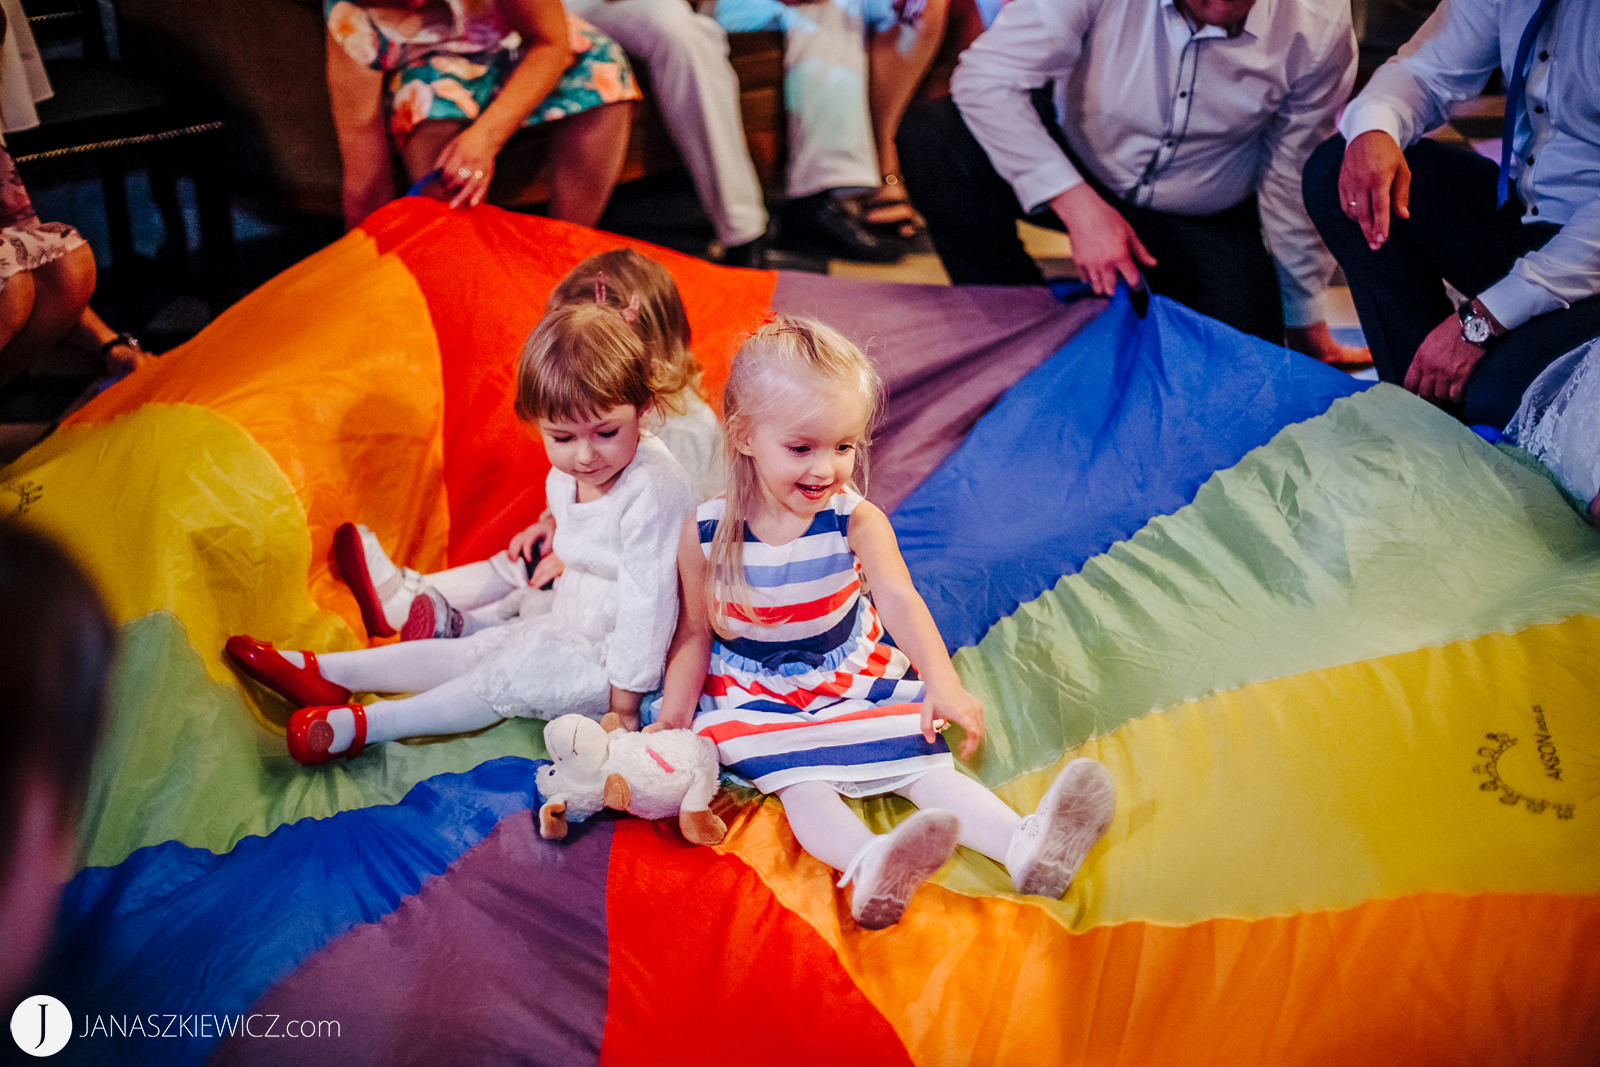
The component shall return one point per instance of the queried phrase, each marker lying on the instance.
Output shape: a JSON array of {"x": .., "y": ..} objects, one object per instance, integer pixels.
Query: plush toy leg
[
  {"x": 553, "y": 821},
  {"x": 702, "y": 827},
  {"x": 699, "y": 824},
  {"x": 618, "y": 796}
]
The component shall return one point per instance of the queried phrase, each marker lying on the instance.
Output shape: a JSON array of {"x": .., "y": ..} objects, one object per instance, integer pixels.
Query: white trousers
[
  {"x": 824, "y": 90},
  {"x": 698, "y": 95}
]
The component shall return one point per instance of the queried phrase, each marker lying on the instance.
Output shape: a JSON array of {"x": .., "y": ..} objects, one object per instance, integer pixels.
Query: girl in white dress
[
  {"x": 465, "y": 599},
  {"x": 622, "y": 506},
  {"x": 805, "y": 696}
]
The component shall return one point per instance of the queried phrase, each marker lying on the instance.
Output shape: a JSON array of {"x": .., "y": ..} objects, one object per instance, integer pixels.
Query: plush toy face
[{"x": 577, "y": 747}]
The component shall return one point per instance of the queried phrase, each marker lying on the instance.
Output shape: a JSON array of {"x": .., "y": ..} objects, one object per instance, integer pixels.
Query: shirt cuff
[
  {"x": 1364, "y": 117},
  {"x": 1514, "y": 300},
  {"x": 1040, "y": 185}
]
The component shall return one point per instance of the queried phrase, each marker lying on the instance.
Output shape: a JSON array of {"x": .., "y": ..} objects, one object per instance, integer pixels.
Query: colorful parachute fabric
[{"x": 1338, "y": 653}]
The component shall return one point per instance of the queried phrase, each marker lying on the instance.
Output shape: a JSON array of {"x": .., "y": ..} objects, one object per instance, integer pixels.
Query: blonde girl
[
  {"x": 805, "y": 697},
  {"x": 466, "y": 599},
  {"x": 622, "y": 506}
]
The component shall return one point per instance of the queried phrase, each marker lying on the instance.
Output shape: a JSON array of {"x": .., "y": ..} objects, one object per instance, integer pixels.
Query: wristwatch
[{"x": 1476, "y": 326}]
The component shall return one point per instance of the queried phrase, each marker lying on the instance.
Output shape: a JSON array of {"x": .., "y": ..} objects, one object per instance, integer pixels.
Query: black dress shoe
[
  {"x": 824, "y": 222},
  {"x": 752, "y": 254}
]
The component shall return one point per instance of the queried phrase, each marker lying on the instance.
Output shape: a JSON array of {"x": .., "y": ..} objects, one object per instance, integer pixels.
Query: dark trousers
[
  {"x": 1217, "y": 264},
  {"x": 1455, "y": 233}
]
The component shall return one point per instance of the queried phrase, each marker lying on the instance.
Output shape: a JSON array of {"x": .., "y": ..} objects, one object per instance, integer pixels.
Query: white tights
[
  {"x": 475, "y": 589},
  {"x": 827, "y": 828},
  {"x": 444, "y": 703}
]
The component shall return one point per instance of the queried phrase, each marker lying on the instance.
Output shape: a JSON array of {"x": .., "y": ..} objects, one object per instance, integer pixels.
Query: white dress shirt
[
  {"x": 1189, "y": 121},
  {"x": 1556, "y": 162}
]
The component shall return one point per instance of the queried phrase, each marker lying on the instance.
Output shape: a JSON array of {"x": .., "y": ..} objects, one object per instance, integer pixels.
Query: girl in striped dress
[{"x": 804, "y": 695}]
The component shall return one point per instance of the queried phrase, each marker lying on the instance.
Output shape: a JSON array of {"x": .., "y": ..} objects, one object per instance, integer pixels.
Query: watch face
[{"x": 1475, "y": 329}]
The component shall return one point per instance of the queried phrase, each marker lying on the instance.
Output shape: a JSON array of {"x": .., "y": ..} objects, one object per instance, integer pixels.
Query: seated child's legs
[
  {"x": 987, "y": 822},
  {"x": 450, "y": 708},
  {"x": 883, "y": 869},
  {"x": 410, "y": 667},
  {"x": 1043, "y": 851},
  {"x": 823, "y": 823},
  {"x": 476, "y": 585}
]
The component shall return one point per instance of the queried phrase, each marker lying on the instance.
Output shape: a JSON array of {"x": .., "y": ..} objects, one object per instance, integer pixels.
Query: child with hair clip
[
  {"x": 805, "y": 697},
  {"x": 465, "y": 599},
  {"x": 623, "y": 508}
]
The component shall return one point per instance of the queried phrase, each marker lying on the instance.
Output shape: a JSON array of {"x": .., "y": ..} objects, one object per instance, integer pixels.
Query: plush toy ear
[
  {"x": 611, "y": 722},
  {"x": 553, "y": 821}
]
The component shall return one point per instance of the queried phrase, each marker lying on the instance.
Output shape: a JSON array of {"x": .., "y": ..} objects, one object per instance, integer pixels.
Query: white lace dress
[
  {"x": 1559, "y": 420},
  {"x": 615, "y": 605}
]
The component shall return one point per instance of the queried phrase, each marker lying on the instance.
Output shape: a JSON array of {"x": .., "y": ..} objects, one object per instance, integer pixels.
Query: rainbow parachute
[{"x": 1341, "y": 656}]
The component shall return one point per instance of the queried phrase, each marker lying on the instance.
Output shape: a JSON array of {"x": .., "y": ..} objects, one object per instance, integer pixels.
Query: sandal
[
  {"x": 120, "y": 367},
  {"x": 889, "y": 209}
]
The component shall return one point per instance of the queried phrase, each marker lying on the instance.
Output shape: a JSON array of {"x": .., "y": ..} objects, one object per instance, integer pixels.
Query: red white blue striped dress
[{"x": 808, "y": 689}]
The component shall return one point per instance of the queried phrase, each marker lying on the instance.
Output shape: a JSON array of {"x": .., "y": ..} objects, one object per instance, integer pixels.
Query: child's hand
[
  {"x": 526, "y": 543},
  {"x": 951, "y": 703},
  {"x": 547, "y": 571}
]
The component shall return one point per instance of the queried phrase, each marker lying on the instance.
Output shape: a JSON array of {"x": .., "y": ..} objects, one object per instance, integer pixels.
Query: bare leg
[
  {"x": 16, "y": 307},
  {"x": 355, "y": 93},
  {"x": 422, "y": 148},
  {"x": 897, "y": 61},
  {"x": 59, "y": 305},
  {"x": 587, "y": 160}
]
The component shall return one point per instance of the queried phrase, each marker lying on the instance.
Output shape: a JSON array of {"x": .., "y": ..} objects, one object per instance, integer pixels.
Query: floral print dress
[
  {"x": 448, "y": 60},
  {"x": 25, "y": 242}
]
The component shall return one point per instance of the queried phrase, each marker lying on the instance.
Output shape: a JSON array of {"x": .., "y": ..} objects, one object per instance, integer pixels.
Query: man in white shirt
[
  {"x": 1176, "y": 140},
  {"x": 1399, "y": 212}
]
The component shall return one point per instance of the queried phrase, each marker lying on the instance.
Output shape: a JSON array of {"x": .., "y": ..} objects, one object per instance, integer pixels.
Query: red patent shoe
[
  {"x": 303, "y": 686},
  {"x": 310, "y": 735}
]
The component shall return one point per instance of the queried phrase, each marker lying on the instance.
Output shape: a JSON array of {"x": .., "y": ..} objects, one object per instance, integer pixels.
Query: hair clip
[
  {"x": 631, "y": 312},
  {"x": 600, "y": 287}
]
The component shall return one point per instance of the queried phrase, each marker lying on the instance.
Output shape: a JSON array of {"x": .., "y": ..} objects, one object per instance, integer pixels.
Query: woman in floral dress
[{"x": 451, "y": 80}]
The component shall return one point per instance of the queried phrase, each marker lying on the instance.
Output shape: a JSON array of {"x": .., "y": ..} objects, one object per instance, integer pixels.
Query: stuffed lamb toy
[{"x": 653, "y": 776}]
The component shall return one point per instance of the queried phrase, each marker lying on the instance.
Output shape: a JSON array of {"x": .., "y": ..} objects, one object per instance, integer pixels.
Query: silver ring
[
  {"x": 464, "y": 173},
  {"x": 477, "y": 174},
  {"x": 1352, "y": 203}
]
